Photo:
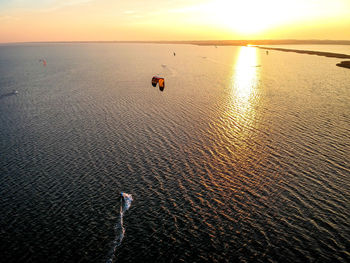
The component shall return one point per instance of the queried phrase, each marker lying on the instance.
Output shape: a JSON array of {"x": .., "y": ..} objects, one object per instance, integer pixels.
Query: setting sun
[
  {"x": 244, "y": 17},
  {"x": 255, "y": 16}
]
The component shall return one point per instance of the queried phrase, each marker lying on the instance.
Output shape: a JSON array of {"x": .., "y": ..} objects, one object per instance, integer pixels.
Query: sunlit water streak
[{"x": 243, "y": 98}]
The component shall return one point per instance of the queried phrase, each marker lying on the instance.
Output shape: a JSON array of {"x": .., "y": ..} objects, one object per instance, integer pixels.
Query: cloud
[
  {"x": 73, "y": 2},
  {"x": 66, "y": 3},
  {"x": 129, "y": 12},
  {"x": 8, "y": 18}
]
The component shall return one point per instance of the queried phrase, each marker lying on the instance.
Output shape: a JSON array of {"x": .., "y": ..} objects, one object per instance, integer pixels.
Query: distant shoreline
[
  {"x": 254, "y": 43},
  {"x": 343, "y": 64},
  {"x": 207, "y": 42},
  {"x": 309, "y": 52}
]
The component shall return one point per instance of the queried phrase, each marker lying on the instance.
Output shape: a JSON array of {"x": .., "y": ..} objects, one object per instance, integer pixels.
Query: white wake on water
[{"x": 125, "y": 203}]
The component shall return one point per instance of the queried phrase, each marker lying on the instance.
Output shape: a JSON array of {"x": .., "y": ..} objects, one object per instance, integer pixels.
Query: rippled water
[{"x": 244, "y": 157}]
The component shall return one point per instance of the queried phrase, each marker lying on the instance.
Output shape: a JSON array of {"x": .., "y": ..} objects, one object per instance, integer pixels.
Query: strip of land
[
  {"x": 317, "y": 53},
  {"x": 220, "y": 42},
  {"x": 255, "y": 43},
  {"x": 344, "y": 64}
]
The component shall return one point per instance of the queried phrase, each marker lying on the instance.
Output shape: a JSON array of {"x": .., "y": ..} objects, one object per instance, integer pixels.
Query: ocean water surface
[{"x": 244, "y": 157}]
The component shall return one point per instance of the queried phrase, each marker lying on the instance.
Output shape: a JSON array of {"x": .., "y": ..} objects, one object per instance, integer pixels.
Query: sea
[{"x": 243, "y": 157}]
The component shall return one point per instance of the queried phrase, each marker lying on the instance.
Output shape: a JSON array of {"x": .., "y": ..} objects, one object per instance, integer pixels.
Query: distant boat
[{"x": 15, "y": 92}]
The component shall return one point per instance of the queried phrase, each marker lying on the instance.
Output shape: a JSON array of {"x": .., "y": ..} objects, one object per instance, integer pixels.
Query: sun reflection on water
[{"x": 244, "y": 89}]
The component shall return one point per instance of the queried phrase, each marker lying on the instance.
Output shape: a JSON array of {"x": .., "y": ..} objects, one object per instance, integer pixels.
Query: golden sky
[{"x": 108, "y": 20}]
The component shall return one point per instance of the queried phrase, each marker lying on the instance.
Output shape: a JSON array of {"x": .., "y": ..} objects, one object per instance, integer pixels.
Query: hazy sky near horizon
[{"x": 94, "y": 20}]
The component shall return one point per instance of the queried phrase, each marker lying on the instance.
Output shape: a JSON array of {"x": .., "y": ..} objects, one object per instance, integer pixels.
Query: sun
[{"x": 250, "y": 16}]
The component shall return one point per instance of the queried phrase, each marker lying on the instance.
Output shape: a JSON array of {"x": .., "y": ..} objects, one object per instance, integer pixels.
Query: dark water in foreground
[{"x": 244, "y": 157}]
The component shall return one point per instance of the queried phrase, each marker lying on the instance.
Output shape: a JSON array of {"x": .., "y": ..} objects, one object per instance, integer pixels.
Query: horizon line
[{"x": 201, "y": 42}]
